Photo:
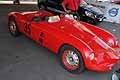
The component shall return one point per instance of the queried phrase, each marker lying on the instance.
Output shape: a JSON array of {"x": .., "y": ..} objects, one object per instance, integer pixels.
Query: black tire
[
  {"x": 13, "y": 27},
  {"x": 115, "y": 72},
  {"x": 80, "y": 63}
]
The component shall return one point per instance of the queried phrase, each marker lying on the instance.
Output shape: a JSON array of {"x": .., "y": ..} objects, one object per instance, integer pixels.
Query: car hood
[
  {"x": 76, "y": 29},
  {"x": 92, "y": 9},
  {"x": 101, "y": 48}
]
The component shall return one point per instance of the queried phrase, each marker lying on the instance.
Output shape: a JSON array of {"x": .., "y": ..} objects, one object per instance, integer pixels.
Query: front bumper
[
  {"x": 103, "y": 67},
  {"x": 100, "y": 18}
]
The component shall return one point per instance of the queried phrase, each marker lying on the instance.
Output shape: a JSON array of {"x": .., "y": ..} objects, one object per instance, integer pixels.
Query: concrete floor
[{"x": 23, "y": 59}]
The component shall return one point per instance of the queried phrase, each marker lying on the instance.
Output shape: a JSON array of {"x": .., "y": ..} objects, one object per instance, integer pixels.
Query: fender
[
  {"x": 99, "y": 32},
  {"x": 18, "y": 17},
  {"x": 80, "y": 45}
]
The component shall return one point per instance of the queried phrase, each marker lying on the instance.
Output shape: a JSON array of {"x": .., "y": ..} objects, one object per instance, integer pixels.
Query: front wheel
[{"x": 71, "y": 59}]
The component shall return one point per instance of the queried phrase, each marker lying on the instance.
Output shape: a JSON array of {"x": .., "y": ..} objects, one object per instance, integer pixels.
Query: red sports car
[{"x": 79, "y": 45}]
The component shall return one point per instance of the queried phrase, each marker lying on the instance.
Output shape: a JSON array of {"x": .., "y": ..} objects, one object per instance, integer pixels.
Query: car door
[
  {"x": 55, "y": 5},
  {"x": 25, "y": 26},
  {"x": 45, "y": 34},
  {"x": 37, "y": 32}
]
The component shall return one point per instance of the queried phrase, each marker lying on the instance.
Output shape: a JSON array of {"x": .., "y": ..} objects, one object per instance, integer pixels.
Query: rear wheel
[
  {"x": 13, "y": 28},
  {"x": 71, "y": 59}
]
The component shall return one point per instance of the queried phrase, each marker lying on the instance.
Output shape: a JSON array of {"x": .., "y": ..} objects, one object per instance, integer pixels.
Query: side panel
[{"x": 37, "y": 32}]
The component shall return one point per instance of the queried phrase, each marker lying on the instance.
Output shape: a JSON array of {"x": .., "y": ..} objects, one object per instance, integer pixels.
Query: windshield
[
  {"x": 70, "y": 16},
  {"x": 54, "y": 19}
]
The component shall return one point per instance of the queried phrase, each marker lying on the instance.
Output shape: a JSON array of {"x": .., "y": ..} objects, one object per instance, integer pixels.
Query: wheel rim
[
  {"x": 70, "y": 59},
  {"x": 114, "y": 76},
  {"x": 12, "y": 27}
]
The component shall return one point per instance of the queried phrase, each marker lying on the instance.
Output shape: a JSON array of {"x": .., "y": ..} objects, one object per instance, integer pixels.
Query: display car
[
  {"x": 115, "y": 72},
  {"x": 79, "y": 45},
  {"x": 86, "y": 12}
]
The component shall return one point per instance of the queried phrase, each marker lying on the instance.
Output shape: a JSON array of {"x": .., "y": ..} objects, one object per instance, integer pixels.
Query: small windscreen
[{"x": 54, "y": 19}]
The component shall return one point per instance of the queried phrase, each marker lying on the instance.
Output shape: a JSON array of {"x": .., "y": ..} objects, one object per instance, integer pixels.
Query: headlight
[
  {"x": 111, "y": 42},
  {"x": 117, "y": 42},
  {"x": 92, "y": 56}
]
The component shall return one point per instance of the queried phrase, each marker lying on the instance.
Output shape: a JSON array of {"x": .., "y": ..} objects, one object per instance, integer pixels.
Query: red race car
[{"x": 79, "y": 45}]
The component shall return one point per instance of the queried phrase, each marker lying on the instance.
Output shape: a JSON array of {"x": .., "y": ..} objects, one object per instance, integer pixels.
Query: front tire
[
  {"x": 13, "y": 27},
  {"x": 71, "y": 59}
]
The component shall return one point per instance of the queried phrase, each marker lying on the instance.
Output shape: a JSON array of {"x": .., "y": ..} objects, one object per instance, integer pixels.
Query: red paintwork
[{"x": 84, "y": 37}]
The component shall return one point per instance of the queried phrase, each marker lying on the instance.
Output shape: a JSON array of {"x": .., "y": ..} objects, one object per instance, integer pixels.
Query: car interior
[{"x": 46, "y": 18}]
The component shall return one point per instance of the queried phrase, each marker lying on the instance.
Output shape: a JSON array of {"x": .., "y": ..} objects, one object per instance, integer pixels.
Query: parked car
[
  {"x": 87, "y": 12},
  {"x": 79, "y": 45},
  {"x": 115, "y": 72}
]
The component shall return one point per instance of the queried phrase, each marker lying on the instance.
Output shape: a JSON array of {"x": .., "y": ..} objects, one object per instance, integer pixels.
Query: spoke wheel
[
  {"x": 71, "y": 59},
  {"x": 13, "y": 28}
]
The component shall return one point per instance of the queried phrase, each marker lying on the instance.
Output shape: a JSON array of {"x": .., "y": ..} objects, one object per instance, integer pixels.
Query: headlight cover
[
  {"x": 111, "y": 42},
  {"x": 92, "y": 56},
  {"x": 117, "y": 42}
]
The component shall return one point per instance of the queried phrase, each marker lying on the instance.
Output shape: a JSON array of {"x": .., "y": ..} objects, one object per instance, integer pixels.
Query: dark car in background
[{"x": 86, "y": 12}]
